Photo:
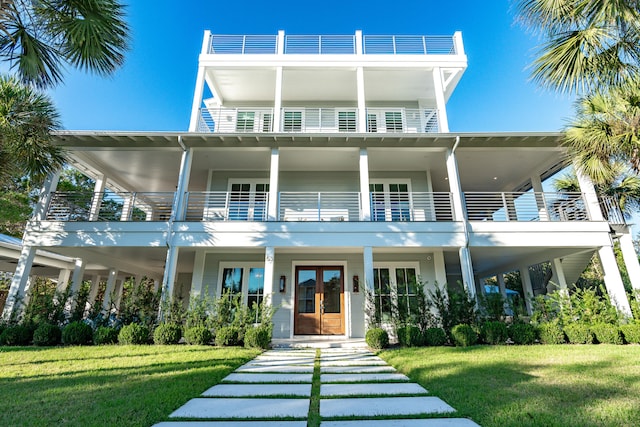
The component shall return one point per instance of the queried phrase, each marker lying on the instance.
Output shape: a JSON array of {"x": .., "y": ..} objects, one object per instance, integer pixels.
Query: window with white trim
[
  {"x": 247, "y": 200},
  {"x": 395, "y": 285},
  {"x": 390, "y": 200},
  {"x": 246, "y": 279}
]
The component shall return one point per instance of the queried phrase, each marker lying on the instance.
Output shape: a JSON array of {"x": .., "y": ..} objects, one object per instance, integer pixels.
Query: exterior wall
[{"x": 319, "y": 181}]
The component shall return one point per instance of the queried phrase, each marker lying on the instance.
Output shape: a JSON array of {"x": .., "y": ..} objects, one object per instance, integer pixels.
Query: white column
[
  {"x": 362, "y": 105},
  {"x": 44, "y": 198},
  {"x": 466, "y": 267},
  {"x": 536, "y": 185},
  {"x": 119, "y": 291},
  {"x": 365, "y": 199},
  {"x": 367, "y": 257},
  {"x": 198, "y": 274},
  {"x": 527, "y": 287},
  {"x": 558, "y": 274},
  {"x": 156, "y": 284},
  {"x": 274, "y": 173},
  {"x": 280, "y": 43},
  {"x": 197, "y": 100},
  {"x": 169, "y": 278},
  {"x": 95, "y": 287},
  {"x": 269, "y": 271},
  {"x": 441, "y": 104},
  {"x": 78, "y": 275},
  {"x": 127, "y": 206},
  {"x": 277, "y": 102},
  {"x": 613, "y": 281},
  {"x": 359, "y": 44},
  {"x": 457, "y": 41},
  {"x": 96, "y": 202},
  {"x": 630, "y": 259},
  {"x": 439, "y": 266},
  {"x": 63, "y": 279},
  {"x": 19, "y": 283},
  {"x": 590, "y": 196},
  {"x": 183, "y": 185},
  {"x": 111, "y": 282},
  {"x": 502, "y": 285},
  {"x": 454, "y": 186}
]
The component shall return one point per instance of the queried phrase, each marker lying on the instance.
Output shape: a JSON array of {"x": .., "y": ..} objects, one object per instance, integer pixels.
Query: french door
[
  {"x": 247, "y": 201},
  {"x": 390, "y": 201},
  {"x": 319, "y": 308}
]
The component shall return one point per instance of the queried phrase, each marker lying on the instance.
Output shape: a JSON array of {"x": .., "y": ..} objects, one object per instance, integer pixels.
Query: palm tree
[
  {"x": 605, "y": 132},
  {"x": 38, "y": 37},
  {"x": 27, "y": 118},
  {"x": 588, "y": 43}
]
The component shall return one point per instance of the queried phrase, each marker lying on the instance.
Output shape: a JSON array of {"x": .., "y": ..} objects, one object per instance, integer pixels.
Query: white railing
[
  {"x": 110, "y": 206},
  {"x": 312, "y": 120},
  {"x": 225, "y": 206},
  {"x": 242, "y": 44},
  {"x": 525, "y": 206},
  {"x": 402, "y": 120},
  {"x": 409, "y": 45},
  {"x": 231, "y": 120},
  {"x": 326, "y": 206},
  {"x": 320, "y": 44},
  {"x": 611, "y": 210},
  {"x": 405, "y": 206}
]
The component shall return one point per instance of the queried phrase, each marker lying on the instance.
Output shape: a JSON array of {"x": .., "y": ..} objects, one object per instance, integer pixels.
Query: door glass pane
[
  {"x": 239, "y": 200},
  {"x": 382, "y": 289},
  {"x": 256, "y": 286},
  {"x": 260, "y": 202},
  {"x": 306, "y": 291},
  {"x": 377, "y": 202},
  {"x": 331, "y": 297},
  {"x": 399, "y": 200},
  {"x": 232, "y": 280}
]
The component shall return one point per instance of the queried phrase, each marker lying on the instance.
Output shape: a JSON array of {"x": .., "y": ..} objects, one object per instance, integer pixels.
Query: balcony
[
  {"x": 318, "y": 120},
  {"x": 109, "y": 206},
  {"x": 220, "y": 44}
]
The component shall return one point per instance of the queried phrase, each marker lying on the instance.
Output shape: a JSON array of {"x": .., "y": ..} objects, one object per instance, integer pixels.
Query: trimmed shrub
[
  {"x": 578, "y": 333},
  {"x": 377, "y": 338},
  {"x": 134, "y": 333},
  {"x": 259, "y": 337},
  {"x": 551, "y": 333},
  {"x": 464, "y": 335},
  {"x": 409, "y": 336},
  {"x": 47, "y": 335},
  {"x": 434, "y": 337},
  {"x": 167, "y": 333},
  {"x": 631, "y": 333},
  {"x": 227, "y": 336},
  {"x": 606, "y": 333},
  {"x": 494, "y": 333},
  {"x": 522, "y": 333},
  {"x": 105, "y": 335},
  {"x": 16, "y": 335},
  {"x": 77, "y": 333},
  {"x": 198, "y": 335}
]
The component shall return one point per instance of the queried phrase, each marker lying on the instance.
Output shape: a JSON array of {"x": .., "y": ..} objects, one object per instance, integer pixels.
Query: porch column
[
  {"x": 441, "y": 104},
  {"x": 111, "y": 282},
  {"x": 277, "y": 102},
  {"x": 558, "y": 275},
  {"x": 466, "y": 266},
  {"x": 63, "y": 279},
  {"x": 76, "y": 282},
  {"x": 119, "y": 288},
  {"x": 454, "y": 186},
  {"x": 367, "y": 256},
  {"x": 362, "y": 106},
  {"x": 184, "y": 175},
  {"x": 198, "y": 275},
  {"x": 502, "y": 285},
  {"x": 44, "y": 198},
  {"x": 269, "y": 257},
  {"x": 613, "y": 280},
  {"x": 591, "y": 198},
  {"x": 19, "y": 283},
  {"x": 96, "y": 201},
  {"x": 365, "y": 199},
  {"x": 630, "y": 258},
  {"x": 169, "y": 278},
  {"x": 127, "y": 206},
  {"x": 536, "y": 185},
  {"x": 95, "y": 287},
  {"x": 441, "y": 270},
  {"x": 274, "y": 173},
  {"x": 199, "y": 89},
  {"x": 527, "y": 287}
]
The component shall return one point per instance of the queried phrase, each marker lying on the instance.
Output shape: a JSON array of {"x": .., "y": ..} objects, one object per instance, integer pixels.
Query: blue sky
[{"x": 153, "y": 91}]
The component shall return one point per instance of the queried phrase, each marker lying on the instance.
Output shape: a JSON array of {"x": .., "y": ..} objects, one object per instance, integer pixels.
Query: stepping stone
[
  {"x": 242, "y": 408},
  {"x": 268, "y": 378},
  {"x": 283, "y": 361},
  {"x": 354, "y": 369},
  {"x": 431, "y": 422},
  {"x": 240, "y": 390},
  {"x": 371, "y": 389},
  {"x": 284, "y": 369},
  {"x": 361, "y": 378},
  {"x": 356, "y": 362},
  {"x": 374, "y": 406},
  {"x": 232, "y": 424}
]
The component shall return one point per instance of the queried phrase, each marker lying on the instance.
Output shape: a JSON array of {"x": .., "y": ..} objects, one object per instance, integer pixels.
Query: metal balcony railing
[
  {"x": 110, "y": 206},
  {"x": 324, "y": 206},
  {"x": 611, "y": 210},
  {"x": 243, "y": 44},
  {"x": 525, "y": 206},
  {"x": 225, "y": 206},
  {"x": 320, "y": 44},
  {"x": 405, "y": 206},
  {"x": 409, "y": 45},
  {"x": 318, "y": 120}
]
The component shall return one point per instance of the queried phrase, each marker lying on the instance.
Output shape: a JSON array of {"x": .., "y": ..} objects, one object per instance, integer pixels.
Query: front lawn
[
  {"x": 542, "y": 385},
  {"x": 107, "y": 385}
]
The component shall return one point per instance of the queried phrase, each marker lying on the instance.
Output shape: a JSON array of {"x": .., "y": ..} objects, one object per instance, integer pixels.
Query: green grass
[
  {"x": 544, "y": 385},
  {"x": 107, "y": 385}
]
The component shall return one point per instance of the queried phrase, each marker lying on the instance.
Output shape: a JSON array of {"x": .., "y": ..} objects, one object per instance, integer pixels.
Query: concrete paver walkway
[{"x": 275, "y": 388}]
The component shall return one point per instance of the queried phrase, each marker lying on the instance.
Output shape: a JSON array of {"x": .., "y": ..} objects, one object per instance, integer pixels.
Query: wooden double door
[{"x": 319, "y": 308}]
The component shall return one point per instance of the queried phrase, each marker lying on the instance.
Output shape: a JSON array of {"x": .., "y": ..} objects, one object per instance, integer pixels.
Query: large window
[
  {"x": 395, "y": 288},
  {"x": 390, "y": 201},
  {"x": 248, "y": 200},
  {"x": 245, "y": 279}
]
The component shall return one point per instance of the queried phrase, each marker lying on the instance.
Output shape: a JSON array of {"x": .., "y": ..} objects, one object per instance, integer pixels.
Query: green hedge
[
  {"x": 434, "y": 337},
  {"x": 77, "y": 333},
  {"x": 522, "y": 333},
  {"x": 606, "y": 333},
  {"x": 134, "y": 333},
  {"x": 198, "y": 335},
  {"x": 47, "y": 335},
  {"x": 464, "y": 335},
  {"x": 409, "y": 336},
  {"x": 377, "y": 338},
  {"x": 631, "y": 333},
  {"x": 578, "y": 333},
  {"x": 551, "y": 333},
  {"x": 167, "y": 333},
  {"x": 494, "y": 333}
]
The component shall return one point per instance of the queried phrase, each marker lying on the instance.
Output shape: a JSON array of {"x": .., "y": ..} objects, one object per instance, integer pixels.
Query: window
[
  {"x": 245, "y": 121},
  {"x": 390, "y": 201},
  {"x": 232, "y": 281},
  {"x": 255, "y": 290},
  {"x": 372, "y": 123},
  {"x": 245, "y": 279},
  {"x": 393, "y": 121},
  {"x": 395, "y": 287},
  {"x": 292, "y": 121},
  {"x": 346, "y": 121},
  {"x": 248, "y": 201}
]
